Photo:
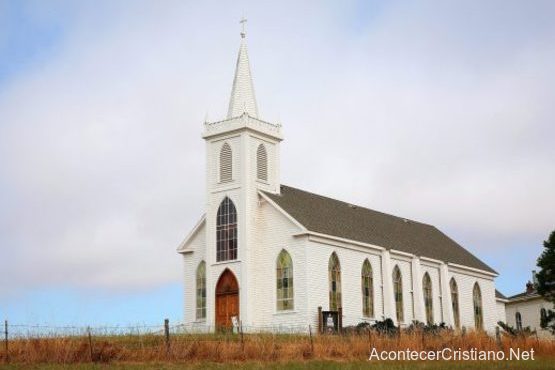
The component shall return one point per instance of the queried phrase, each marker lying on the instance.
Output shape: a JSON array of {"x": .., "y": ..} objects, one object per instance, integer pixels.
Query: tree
[{"x": 546, "y": 278}]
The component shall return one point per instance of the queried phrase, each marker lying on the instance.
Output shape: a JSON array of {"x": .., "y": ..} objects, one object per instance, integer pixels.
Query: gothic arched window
[
  {"x": 518, "y": 319},
  {"x": 226, "y": 231},
  {"x": 261, "y": 163},
  {"x": 334, "y": 269},
  {"x": 428, "y": 298},
  {"x": 455, "y": 302},
  {"x": 201, "y": 290},
  {"x": 477, "y": 300},
  {"x": 543, "y": 318},
  {"x": 367, "y": 289},
  {"x": 284, "y": 275},
  {"x": 398, "y": 293},
  {"x": 226, "y": 163}
]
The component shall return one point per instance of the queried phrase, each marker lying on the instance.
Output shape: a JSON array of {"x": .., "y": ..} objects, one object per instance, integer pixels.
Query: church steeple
[{"x": 242, "y": 93}]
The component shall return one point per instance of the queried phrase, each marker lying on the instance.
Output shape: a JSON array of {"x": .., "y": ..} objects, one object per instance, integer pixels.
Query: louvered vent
[
  {"x": 261, "y": 163},
  {"x": 226, "y": 171}
]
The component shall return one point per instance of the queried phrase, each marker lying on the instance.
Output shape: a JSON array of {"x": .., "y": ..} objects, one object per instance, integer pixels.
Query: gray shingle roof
[
  {"x": 333, "y": 217},
  {"x": 498, "y": 294},
  {"x": 533, "y": 294}
]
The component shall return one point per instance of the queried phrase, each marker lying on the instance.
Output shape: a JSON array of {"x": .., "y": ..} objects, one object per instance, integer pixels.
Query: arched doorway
[{"x": 227, "y": 299}]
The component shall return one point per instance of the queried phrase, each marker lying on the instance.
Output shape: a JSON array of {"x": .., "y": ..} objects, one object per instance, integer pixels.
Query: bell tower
[{"x": 242, "y": 157}]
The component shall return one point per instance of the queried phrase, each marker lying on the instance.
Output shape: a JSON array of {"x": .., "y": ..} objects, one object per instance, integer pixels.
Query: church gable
[
  {"x": 332, "y": 217},
  {"x": 195, "y": 239}
]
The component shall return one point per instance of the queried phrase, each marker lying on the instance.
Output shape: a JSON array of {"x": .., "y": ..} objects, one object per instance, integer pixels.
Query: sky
[{"x": 436, "y": 111}]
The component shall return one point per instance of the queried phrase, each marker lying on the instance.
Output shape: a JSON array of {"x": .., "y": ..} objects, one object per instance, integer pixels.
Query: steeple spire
[{"x": 242, "y": 93}]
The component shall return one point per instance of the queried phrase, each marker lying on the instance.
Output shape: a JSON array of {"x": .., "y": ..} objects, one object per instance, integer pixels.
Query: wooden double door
[{"x": 227, "y": 300}]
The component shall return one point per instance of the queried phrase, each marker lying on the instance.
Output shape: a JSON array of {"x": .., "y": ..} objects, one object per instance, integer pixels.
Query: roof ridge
[{"x": 359, "y": 206}]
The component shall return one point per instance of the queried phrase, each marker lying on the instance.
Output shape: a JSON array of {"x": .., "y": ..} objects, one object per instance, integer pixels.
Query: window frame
[
  {"x": 397, "y": 279},
  {"x": 427, "y": 291},
  {"x": 200, "y": 287},
  {"x": 367, "y": 286},
  {"x": 226, "y": 231},
  {"x": 477, "y": 307},
  {"x": 454, "y": 289},
  {"x": 334, "y": 282},
  {"x": 285, "y": 288}
]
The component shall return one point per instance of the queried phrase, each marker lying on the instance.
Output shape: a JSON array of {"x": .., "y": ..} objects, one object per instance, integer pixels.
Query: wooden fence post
[
  {"x": 167, "y": 335},
  {"x": 6, "y": 341},
  {"x": 241, "y": 333},
  {"x": 91, "y": 353},
  {"x": 498, "y": 336},
  {"x": 319, "y": 319},
  {"x": 340, "y": 319},
  {"x": 311, "y": 342}
]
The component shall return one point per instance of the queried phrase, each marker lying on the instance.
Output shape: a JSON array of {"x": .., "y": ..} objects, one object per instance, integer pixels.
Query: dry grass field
[{"x": 256, "y": 351}]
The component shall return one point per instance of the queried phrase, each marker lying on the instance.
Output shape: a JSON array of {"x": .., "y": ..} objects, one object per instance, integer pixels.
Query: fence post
[
  {"x": 340, "y": 319},
  {"x": 167, "y": 335},
  {"x": 6, "y": 341},
  {"x": 498, "y": 336},
  {"x": 311, "y": 342},
  {"x": 91, "y": 354},
  {"x": 241, "y": 333},
  {"x": 319, "y": 319}
]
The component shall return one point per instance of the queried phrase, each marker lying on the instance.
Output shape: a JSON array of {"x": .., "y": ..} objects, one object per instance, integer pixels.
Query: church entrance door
[{"x": 227, "y": 300}]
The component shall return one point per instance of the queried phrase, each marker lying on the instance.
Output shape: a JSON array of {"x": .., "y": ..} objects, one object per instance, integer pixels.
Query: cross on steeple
[{"x": 243, "y": 21}]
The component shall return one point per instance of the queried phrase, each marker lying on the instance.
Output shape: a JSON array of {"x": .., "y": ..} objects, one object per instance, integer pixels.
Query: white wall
[
  {"x": 191, "y": 261},
  {"x": 530, "y": 313},
  {"x": 465, "y": 282},
  {"x": 273, "y": 233},
  {"x": 501, "y": 312}
]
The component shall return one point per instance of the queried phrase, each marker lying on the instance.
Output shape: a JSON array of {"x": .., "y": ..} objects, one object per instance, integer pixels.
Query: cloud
[{"x": 440, "y": 112}]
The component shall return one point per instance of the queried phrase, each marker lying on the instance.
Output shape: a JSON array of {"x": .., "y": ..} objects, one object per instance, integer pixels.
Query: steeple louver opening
[
  {"x": 261, "y": 163},
  {"x": 226, "y": 163}
]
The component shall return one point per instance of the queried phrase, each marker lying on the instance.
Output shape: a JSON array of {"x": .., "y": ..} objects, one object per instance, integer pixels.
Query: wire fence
[
  {"x": 39, "y": 344},
  {"x": 68, "y": 343}
]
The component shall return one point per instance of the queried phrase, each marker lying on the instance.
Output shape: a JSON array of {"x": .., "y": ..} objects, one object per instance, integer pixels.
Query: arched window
[
  {"x": 284, "y": 275},
  {"x": 261, "y": 163},
  {"x": 518, "y": 319},
  {"x": 226, "y": 231},
  {"x": 334, "y": 269},
  {"x": 226, "y": 163},
  {"x": 477, "y": 299},
  {"x": 543, "y": 318},
  {"x": 398, "y": 293},
  {"x": 428, "y": 298},
  {"x": 367, "y": 289},
  {"x": 201, "y": 290},
  {"x": 455, "y": 302}
]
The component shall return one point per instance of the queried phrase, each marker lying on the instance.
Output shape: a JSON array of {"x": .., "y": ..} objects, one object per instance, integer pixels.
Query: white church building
[{"x": 270, "y": 255}]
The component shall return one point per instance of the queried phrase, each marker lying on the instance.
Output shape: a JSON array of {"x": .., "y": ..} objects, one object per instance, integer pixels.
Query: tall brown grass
[{"x": 253, "y": 347}]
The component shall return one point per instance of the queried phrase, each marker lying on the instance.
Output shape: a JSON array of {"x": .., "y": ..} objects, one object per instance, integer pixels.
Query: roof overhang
[{"x": 184, "y": 244}]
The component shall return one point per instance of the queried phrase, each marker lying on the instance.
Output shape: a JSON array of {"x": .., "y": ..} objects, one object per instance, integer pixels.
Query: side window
[{"x": 284, "y": 280}]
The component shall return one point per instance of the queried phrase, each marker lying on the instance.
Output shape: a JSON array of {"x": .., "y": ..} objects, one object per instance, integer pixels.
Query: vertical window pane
[
  {"x": 226, "y": 231},
  {"x": 201, "y": 291},
  {"x": 284, "y": 281},
  {"x": 334, "y": 272},
  {"x": 367, "y": 290},
  {"x": 398, "y": 293}
]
